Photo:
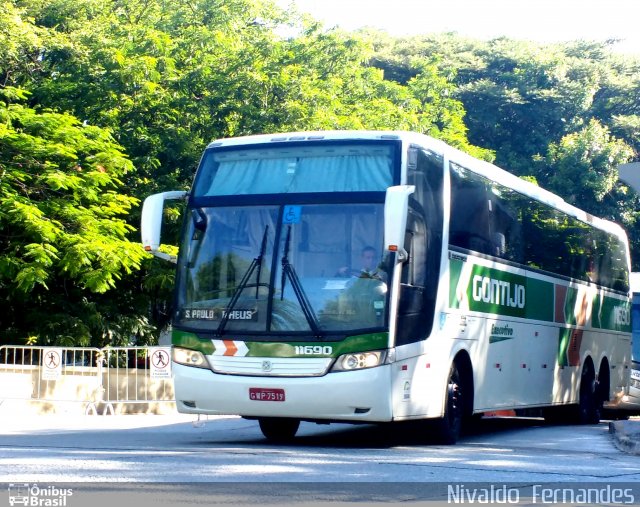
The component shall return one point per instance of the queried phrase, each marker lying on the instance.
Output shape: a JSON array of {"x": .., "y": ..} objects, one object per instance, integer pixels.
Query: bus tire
[
  {"x": 279, "y": 429},
  {"x": 590, "y": 399},
  {"x": 449, "y": 427}
]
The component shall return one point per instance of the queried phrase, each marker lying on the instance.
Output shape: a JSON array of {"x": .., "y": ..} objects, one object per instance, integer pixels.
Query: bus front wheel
[
  {"x": 449, "y": 427},
  {"x": 278, "y": 429}
]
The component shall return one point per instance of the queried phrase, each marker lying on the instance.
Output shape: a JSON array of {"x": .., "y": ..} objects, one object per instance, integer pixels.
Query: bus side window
[
  {"x": 505, "y": 227},
  {"x": 470, "y": 212},
  {"x": 427, "y": 176}
]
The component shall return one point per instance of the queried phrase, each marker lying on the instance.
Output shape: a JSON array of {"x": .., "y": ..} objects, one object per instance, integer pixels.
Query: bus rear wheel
[
  {"x": 279, "y": 429},
  {"x": 449, "y": 427},
  {"x": 590, "y": 400},
  {"x": 589, "y": 408}
]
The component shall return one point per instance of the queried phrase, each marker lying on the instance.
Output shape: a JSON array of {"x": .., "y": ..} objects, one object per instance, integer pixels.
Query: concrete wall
[{"x": 84, "y": 390}]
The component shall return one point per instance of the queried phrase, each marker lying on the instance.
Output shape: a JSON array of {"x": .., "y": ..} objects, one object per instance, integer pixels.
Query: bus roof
[{"x": 481, "y": 167}]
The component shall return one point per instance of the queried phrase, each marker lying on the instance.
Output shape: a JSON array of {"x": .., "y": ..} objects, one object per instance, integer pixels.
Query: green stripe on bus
[
  {"x": 488, "y": 290},
  {"x": 611, "y": 313},
  {"x": 358, "y": 343},
  {"x": 191, "y": 341}
]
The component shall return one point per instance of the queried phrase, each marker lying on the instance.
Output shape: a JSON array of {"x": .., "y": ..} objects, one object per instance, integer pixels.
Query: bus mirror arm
[
  {"x": 396, "y": 210},
  {"x": 402, "y": 255},
  {"x": 165, "y": 256}
]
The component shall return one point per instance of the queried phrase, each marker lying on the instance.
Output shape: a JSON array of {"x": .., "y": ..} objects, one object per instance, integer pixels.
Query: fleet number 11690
[{"x": 313, "y": 350}]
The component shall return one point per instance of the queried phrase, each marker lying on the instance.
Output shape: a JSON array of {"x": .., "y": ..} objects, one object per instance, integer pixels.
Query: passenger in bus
[
  {"x": 592, "y": 272},
  {"x": 499, "y": 244},
  {"x": 370, "y": 268}
]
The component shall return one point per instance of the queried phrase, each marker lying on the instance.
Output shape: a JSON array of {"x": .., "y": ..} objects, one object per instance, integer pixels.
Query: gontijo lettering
[{"x": 498, "y": 292}]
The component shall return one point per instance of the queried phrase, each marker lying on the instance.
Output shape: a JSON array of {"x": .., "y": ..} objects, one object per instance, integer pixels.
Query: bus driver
[{"x": 369, "y": 268}]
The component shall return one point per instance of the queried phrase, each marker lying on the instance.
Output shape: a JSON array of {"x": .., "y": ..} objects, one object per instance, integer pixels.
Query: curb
[
  {"x": 626, "y": 435},
  {"x": 26, "y": 408}
]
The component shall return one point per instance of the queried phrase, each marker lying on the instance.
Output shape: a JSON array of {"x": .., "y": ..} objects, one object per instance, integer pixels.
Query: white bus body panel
[
  {"x": 349, "y": 396},
  {"x": 419, "y": 386}
]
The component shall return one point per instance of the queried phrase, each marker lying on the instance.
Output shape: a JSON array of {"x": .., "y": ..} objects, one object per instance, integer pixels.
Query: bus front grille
[{"x": 270, "y": 366}]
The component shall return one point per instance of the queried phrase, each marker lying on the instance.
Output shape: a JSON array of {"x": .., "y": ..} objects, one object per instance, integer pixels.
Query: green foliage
[
  {"x": 62, "y": 216},
  {"x": 583, "y": 165},
  {"x": 165, "y": 78},
  {"x": 583, "y": 168},
  {"x": 564, "y": 115},
  {"x": 105, "y": 101},
  {"x": 520, "y": 96}
]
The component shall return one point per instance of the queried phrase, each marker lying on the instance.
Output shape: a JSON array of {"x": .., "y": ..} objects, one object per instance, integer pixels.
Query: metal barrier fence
[
  {"x": 137, "y": 376},
  {"x": 124, "y": 379}
]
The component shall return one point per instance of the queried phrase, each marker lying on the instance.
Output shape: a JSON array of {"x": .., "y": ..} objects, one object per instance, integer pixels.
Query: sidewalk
[{"x": 626, "y": 435}]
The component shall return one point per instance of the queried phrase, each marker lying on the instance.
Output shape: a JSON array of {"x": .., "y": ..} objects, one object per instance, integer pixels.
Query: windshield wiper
[
  {"x": 288, "y": 271},
  {"x": 256, "y": 263},
  {"x": 199, "y": 218}
]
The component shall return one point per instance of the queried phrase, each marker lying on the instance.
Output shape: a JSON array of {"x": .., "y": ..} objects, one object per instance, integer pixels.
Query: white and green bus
[{"x": 487, "y": 292}]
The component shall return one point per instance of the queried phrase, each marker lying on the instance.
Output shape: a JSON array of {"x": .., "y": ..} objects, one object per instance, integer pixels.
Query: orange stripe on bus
[{"x": 231, "y": 348}]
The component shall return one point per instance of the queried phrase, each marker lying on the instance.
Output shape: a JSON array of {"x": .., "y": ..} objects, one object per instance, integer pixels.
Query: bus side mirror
[
  {"x": 151, "y": 222},
  {"x": 396, "y": 209}
]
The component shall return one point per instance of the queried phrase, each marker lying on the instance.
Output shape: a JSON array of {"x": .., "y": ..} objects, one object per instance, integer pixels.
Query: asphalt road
[{"x": 178, "y": 459}]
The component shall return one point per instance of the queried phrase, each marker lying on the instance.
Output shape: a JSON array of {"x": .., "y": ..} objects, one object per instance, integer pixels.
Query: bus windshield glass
[
  {"x": 335, "y": 167},
  {"x": 313, "y": 269}
]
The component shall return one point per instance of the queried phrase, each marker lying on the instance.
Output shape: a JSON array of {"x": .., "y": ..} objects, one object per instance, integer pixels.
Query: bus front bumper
[{"x": 362, "y": 395}]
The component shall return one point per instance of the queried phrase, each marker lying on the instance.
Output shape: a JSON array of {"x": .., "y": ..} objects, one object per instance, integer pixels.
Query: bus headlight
[
  {"x": 189, "y": 357},
  {"x": 359, "y": 360}
]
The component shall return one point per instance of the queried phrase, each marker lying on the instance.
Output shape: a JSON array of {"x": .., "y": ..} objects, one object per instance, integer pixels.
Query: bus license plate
[{"x": 265, "y": 394}]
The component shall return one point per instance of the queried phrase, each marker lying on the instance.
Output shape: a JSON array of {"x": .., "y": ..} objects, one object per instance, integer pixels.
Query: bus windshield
[
  {"x": 312, "y": 269},
  {"x": 331, "y": 167}
]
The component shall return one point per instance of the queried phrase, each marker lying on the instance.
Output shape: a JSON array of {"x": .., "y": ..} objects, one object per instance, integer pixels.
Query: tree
[
  {"x": 62, "y": 215},
  {"x": 583, "y": 166},
  {"x": 165, "y": 78},
  {"x": 160, "y": 79}
]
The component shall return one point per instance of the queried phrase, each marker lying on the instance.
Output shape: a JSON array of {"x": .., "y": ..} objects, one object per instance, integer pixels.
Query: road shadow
[{"x": 387, "y": 435}]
